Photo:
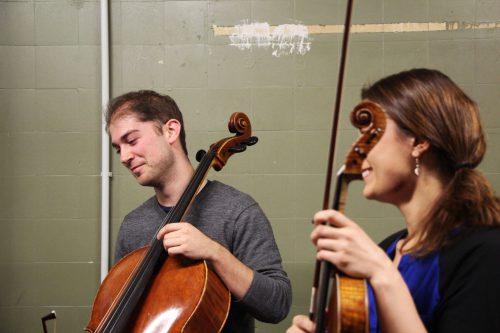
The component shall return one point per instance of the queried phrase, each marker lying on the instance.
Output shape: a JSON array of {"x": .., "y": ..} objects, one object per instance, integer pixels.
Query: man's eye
[{"x": 132, "y": 142}]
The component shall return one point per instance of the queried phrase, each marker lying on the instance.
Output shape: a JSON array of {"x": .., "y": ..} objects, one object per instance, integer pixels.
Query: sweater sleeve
[
  {"x": 270, "y": 294},
  {"x": 470, "y": 285}
]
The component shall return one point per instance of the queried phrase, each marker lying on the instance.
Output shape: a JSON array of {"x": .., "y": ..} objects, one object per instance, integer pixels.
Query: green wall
[{"x": 50, "y": 122}]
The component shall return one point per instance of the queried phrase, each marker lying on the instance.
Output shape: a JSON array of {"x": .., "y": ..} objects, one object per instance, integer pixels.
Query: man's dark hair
[{"x": 147, "y": 105}]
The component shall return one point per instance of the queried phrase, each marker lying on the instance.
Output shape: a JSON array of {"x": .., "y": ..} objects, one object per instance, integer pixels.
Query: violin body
[
  {"x": 348, "y": 308},
  {"x": 184, "y": 296},
  {"x": 348, "y": 305},
  {"x": 347, "y": 311}
]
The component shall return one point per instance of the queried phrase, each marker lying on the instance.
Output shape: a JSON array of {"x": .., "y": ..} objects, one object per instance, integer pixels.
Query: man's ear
[
  {"x": 172, "y": 129},
  {"x": 420, "y": 146}
]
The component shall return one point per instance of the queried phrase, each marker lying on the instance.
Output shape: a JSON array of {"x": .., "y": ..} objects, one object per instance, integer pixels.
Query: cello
[
  {"x": 134, "y": 296},
  {"x": 347, "y": 310}
]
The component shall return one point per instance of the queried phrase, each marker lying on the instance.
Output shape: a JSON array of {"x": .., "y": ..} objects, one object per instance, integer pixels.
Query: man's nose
[{"x": 125, "y": 156}]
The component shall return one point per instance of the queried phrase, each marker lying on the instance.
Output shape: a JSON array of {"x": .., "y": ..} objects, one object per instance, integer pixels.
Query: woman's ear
[
  {"x": 172, "y": 129},
  {"x": 420, "y": 146}
]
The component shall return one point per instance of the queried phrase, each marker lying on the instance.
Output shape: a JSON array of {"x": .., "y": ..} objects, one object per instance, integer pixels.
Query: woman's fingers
[
  {"x": 331, "y": 217},
  {"x": 301, "y": 324}
]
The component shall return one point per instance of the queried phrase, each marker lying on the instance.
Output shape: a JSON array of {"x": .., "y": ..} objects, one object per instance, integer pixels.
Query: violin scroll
[
  {"x": 366, "y": 115},
  {"x": 370, "y": 119}
]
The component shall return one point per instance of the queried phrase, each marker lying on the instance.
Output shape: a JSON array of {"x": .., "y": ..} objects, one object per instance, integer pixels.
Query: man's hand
[{"x": 184, "y": 239}]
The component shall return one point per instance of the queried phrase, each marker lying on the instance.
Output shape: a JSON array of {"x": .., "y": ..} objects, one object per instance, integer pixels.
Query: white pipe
[{"x": 105, "y": 171}]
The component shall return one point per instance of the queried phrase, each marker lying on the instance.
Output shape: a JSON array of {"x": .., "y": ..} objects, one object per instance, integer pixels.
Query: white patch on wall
[
  {"x": 285, "y": 39},
  {"x": 289, "y": 39}
]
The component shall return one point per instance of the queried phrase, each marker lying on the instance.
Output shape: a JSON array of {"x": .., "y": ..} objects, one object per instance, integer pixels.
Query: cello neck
[{"x": 156, "y": 255}]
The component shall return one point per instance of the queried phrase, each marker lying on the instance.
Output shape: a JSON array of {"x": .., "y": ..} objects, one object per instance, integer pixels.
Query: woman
[{"x": 442, "y": 273}]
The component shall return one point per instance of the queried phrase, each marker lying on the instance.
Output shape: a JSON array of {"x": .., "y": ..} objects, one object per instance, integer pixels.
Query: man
[{"x": 226, "y": 228}]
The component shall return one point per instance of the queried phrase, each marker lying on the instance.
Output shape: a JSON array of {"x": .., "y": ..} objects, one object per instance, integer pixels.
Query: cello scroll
[{"x": 240, "y": 125}]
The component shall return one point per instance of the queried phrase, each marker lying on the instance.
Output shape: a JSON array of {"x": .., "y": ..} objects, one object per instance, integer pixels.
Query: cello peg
[
  {"x": 238, "y": 148},
  {"x": 251, "y": 141},
  {"x": 200, "y": 154}
]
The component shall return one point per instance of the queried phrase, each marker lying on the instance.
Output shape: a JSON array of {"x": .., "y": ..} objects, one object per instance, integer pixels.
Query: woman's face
[{"x": 388, "y": 170}]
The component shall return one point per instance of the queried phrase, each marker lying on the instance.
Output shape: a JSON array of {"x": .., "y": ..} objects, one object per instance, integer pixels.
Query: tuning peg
[
  {"x": 251, "y": 141},
  {"x": 200, "y": 154},
  {"x": 238, "y": 149},
  {"x": 360, "y": 152}
]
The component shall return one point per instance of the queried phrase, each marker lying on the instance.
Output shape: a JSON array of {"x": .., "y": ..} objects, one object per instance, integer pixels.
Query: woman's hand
[
  {"x": 343, "y": 243},
  {"x": 301, "y": 324}
]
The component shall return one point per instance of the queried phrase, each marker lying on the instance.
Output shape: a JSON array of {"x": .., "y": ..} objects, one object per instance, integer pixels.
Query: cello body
[{"x": 184, "y": 296}]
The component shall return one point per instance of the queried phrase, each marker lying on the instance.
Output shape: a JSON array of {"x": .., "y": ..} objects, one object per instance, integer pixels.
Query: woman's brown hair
[{"x": 429, "y": 105}]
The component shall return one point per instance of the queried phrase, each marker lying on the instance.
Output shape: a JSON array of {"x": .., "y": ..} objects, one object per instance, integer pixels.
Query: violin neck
[
  {"x": 340, "y": 194},
  {"x": 324, "y": 269}
]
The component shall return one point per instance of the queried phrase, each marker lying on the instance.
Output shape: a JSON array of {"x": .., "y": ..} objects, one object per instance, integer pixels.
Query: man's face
[{"x": 142, "y": 148}]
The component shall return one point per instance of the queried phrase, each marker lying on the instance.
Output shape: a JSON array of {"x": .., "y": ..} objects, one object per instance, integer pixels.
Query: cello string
[{"x": 156, "y": 253}]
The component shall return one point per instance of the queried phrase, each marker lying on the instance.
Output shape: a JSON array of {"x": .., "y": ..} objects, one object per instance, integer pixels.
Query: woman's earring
[{"x": 417, "y": 167}]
